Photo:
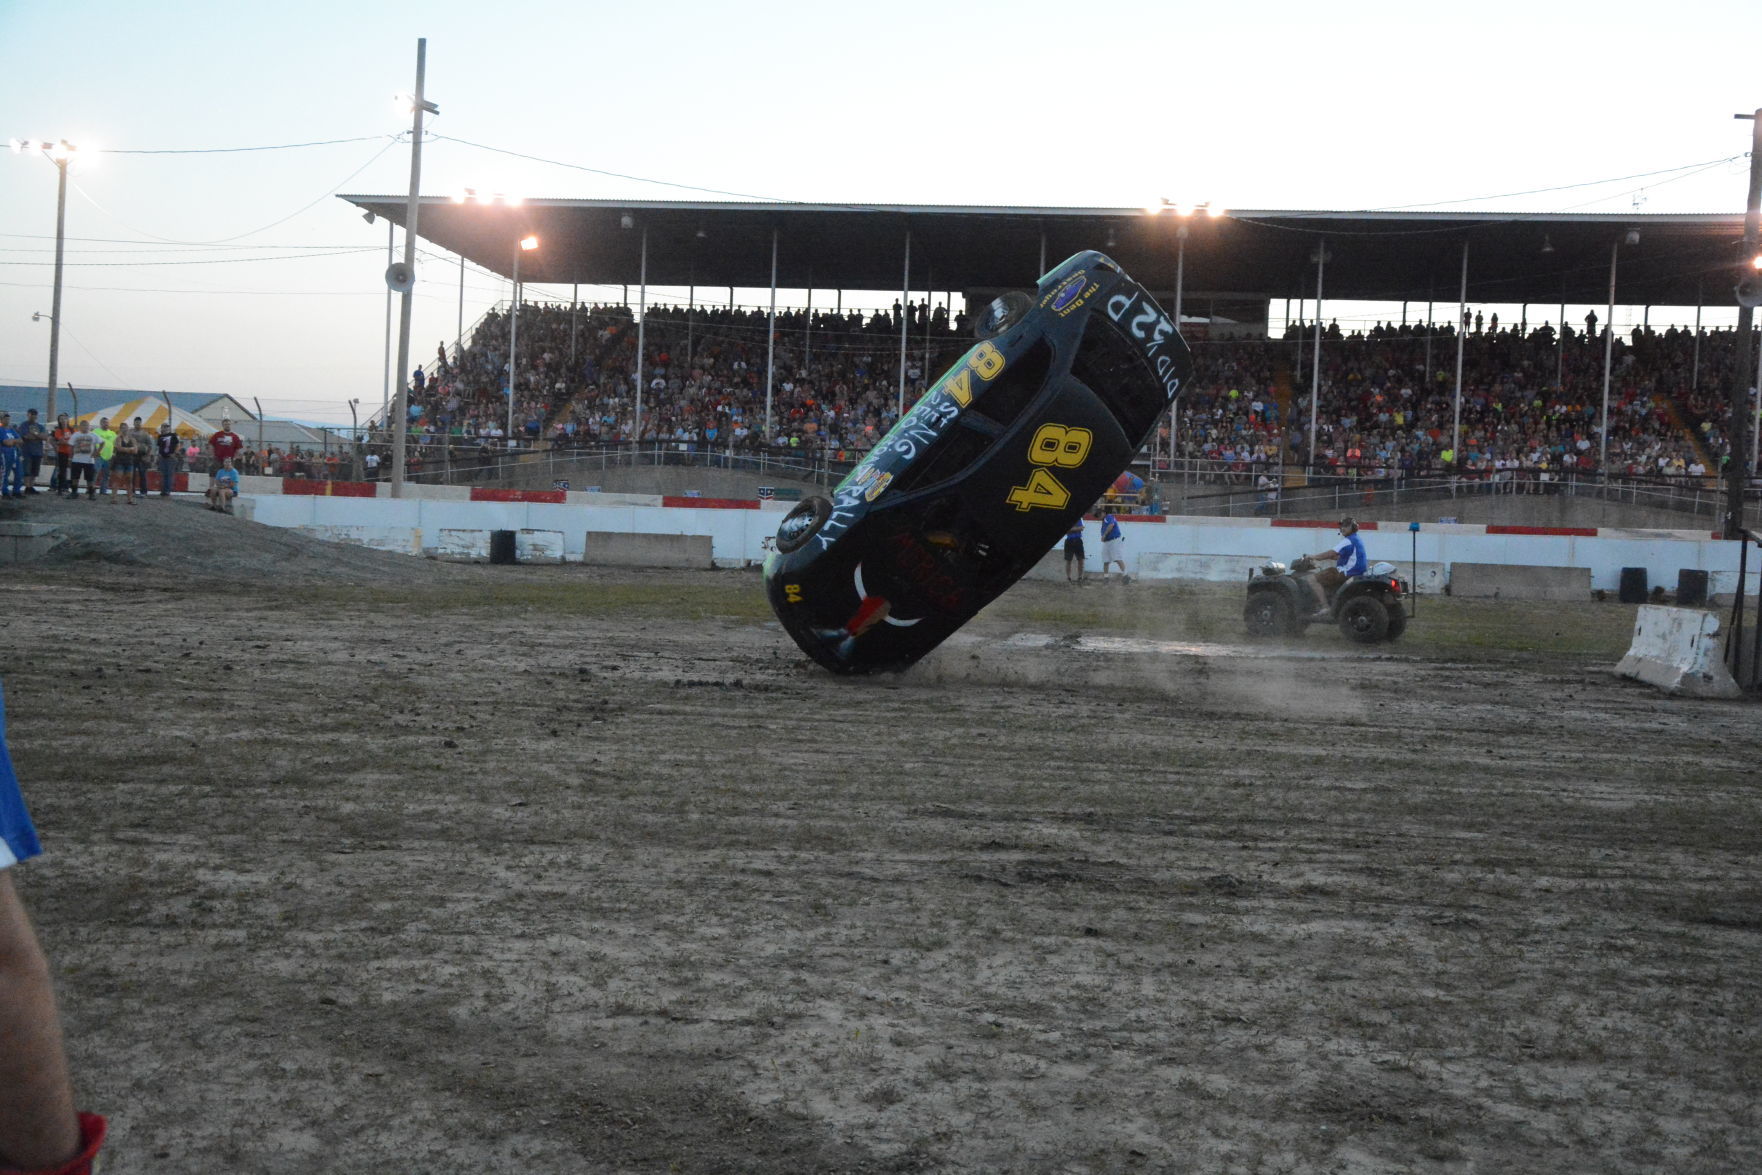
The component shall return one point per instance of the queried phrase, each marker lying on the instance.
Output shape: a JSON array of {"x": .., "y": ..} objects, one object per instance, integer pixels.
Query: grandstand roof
[{"x": 1680, "y": 259}]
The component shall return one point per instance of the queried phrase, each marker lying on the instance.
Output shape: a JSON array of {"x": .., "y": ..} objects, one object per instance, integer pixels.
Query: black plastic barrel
[
  {"x": 1691, "y": 587},
  {"x": 501, "y": 547},
  {"x": 1633, "y": 585}
]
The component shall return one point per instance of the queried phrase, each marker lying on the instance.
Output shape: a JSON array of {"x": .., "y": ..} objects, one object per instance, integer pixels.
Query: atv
[{"x": 1368, "y": 608}]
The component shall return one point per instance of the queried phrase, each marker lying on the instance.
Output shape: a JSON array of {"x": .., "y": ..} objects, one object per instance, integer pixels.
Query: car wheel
[
  {"x": 1003, "y": 313},
  {"x": 802, "y": 524},
  {"x": 1268, "y": 614},
  {"x": 1364, "y": 619},
  {"x": 1397, "y": 622}
]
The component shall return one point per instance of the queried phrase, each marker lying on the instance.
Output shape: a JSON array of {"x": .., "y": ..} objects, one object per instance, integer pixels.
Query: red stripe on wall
[
  {"x": 709, "y": 503},
  {"x": 1316, "y": 524},
  {"x": 489, "y": 495},
  {"x": 1589, "y": 532}
]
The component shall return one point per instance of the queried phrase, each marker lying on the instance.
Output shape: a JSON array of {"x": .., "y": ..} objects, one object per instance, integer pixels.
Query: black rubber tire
[
  {"x": 802, "y": 524},
  {"x": 1004, "y": 312},
  {"x": 1364, "y": 619},
  {"x": 1397, "y": 622},
  {"x": 1268, "y": 613}
]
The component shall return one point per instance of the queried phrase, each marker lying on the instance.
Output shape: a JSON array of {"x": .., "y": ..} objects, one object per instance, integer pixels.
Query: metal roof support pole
[
  {"x": 513, "y": 351},
  {"x": 1695, "y": 371},
  {"x": 641, "y": 327},
  {"x": 1608, "y": 359},
  {"x": 574, "y": 309},
  {"x": 385, "y": 407},
  {"x": 1321, "y": 261},
  {"x": 1174, "y": 409},
  {"x": 1560, "y": 340},
  {"x": 459, "y": 339},
  {"x": 1736, "y": 476},
  {"x": 905, "y": 294},
  {"x": 1461, "y": 331},
  {"x": 401, "y": 431},
  {"x": 807, "y": 330},
  {"x": 1042, "y": 248},
  {"x": 771, "y": 338},
  {"x": 690, "y": 314}
]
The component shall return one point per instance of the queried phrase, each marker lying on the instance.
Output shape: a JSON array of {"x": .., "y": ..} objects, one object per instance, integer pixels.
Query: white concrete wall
[{"x": 1218, "y": 549}]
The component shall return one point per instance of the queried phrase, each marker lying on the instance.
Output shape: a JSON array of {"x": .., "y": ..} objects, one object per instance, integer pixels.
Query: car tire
[
  {"x": 1268, "y": 614},
  {"x": 1364, "y": 619},
  {"x": 1004, "y": 312},
  {"x": 1397, "y": 622},
  {"x": 802, "y": 524}
]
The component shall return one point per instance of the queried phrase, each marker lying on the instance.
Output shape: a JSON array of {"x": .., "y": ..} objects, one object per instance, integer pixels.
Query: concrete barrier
[
  {"x": 1504, "y": 581},
  {"x": 1679, "y": 651},
  {"x": 604, "y": 548},
  {"x": 24, "y": 542}
]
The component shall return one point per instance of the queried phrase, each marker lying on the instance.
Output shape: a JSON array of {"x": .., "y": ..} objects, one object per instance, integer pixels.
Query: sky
[{"x": 194, "y": 266}]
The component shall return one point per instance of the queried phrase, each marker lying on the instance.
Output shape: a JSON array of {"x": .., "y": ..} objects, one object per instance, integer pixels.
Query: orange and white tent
[{"x": 153, "y": 411}]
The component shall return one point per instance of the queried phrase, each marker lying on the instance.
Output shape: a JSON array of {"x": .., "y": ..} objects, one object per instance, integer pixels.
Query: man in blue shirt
[
  {"x": 11, "y": 459},
  {"x": 1349, "y": 560},
  {"x": 39, "y": 1128},
  {"x": 1113, "y": 547}
]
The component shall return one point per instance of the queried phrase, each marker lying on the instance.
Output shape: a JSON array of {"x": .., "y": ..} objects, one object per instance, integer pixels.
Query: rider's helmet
[{"x": 1348, "y": 525}]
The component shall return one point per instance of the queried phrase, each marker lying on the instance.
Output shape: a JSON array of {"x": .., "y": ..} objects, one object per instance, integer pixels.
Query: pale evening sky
[{"x": 240, "y": 272}]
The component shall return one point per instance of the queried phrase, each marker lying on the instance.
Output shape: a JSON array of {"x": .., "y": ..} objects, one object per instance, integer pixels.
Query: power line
[
  {"x": 203, "y": 260},
  {"x": 232, "y": 150}
]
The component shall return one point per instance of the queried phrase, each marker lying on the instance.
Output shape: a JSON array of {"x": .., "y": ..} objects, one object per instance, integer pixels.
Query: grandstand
[{"x": 813, "y": 389}]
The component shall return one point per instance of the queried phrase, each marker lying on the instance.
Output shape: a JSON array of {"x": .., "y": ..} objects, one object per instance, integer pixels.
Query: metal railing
[{"x": 1744, "y": 656}]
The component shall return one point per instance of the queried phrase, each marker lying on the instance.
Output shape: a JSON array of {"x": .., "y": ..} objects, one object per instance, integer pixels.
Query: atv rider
[{"x": 1349, "y": 560}]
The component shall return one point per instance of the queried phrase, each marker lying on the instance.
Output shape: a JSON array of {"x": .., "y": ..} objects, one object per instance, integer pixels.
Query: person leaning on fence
[
  {"x": 1074, "y": 551},
  {"x": 41, "y": 1133},
  {"x": 11, "y": 459}
]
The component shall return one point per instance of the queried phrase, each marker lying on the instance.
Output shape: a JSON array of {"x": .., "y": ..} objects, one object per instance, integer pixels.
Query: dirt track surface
[{"x": 491, "y": 869}]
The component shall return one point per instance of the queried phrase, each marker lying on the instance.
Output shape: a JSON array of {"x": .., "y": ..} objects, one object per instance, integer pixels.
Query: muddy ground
[{"x": 359, "y": 863}]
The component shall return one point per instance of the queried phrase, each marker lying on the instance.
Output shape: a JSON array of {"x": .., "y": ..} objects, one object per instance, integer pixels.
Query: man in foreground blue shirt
[{"x": 1349, "y": 560}]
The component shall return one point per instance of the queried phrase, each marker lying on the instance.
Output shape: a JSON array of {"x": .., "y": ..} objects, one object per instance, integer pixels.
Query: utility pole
[{"x": 1737, "y": 471}]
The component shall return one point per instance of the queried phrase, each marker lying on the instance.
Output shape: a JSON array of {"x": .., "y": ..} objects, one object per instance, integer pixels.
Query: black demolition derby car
[{"x": 984, "y": 475}]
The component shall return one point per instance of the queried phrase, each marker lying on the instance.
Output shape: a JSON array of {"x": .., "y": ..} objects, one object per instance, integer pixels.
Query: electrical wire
[
  {"x": 392, "y": 141},
  {"x": 1691, "y": 168},
  {"x": 616, "y": 174},
  {"x": 202, "y": 260},
  {"x": 231, "y": 150}
]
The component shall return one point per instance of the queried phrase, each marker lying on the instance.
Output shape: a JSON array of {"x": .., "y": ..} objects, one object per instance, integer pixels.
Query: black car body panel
[{"x": 982, "y": 476}]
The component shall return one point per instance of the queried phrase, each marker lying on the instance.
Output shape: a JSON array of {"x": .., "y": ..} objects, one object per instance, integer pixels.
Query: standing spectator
[
  {"x": 223, "y": 487},
  {"x": 11, "y": 459},
  {"x": 39, "y": 1128},
  {"x": 33, "y": 432},
  {"x": 82, "y": 461},
  {"x": 63, "y": 431},
  {"x": 104, "y": 440},
  {"x": 144, "y": 447},
  {"x": 167, "y": 445},
  {"x": 124, "y": 451},
  {"x": 1113, "y": 547},
  {"x": 372, "y": 462},
  {"x": 1074, "y": 551},
  {"x": 225, "y": 444}
]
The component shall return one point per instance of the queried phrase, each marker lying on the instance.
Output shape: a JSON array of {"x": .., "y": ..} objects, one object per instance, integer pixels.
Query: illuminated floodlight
[
  {"x": 1756, "y": 262},
  {"x": 529, "y": 243},
  {"x": 1154, "y": 209},
  {"x": 461, "y": 197},
  {"x": 513, "y": 201},
  {"x": 1214, "y": 210}
]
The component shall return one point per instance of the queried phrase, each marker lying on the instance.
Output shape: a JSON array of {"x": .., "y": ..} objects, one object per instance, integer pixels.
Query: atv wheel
[
  {"x": 1268, "y": 614},
  {"x": 1364, "y": 619},
  {"x": 1004, "y": 312},
  {"x": 802, "y": 523},
  {"x": 1397, "y": 623}
]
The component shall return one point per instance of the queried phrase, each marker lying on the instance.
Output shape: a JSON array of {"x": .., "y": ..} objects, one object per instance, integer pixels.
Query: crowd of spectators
[{"x": 1529, "y": 412}]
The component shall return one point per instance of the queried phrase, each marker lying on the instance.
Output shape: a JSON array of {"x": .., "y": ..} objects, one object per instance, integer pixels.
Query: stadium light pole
[
  {"x": 60, "y": 153},
  {"x": 526, "y": 245},
  {"x": 419, "y": 106},
  {"x": 1320, "y": 258},
  {"x": 1185, "y": 212}
]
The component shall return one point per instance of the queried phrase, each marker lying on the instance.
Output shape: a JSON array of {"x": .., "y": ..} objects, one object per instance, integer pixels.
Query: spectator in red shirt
[{"x": 226, "y": 444}]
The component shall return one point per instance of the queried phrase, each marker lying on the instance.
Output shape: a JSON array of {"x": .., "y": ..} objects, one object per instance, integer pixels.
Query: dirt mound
[{"x": 181, "y": 535}]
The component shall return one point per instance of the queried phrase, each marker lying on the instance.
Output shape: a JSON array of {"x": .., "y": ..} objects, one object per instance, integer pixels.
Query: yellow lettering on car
[
  {"x": 961, "y": 388},
  {"x": 1053, "y": 444},
  {"x": 792, "y": 592},
  {"x": 1043, "y": 490},
  {"x": 986, "y": 361}
]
